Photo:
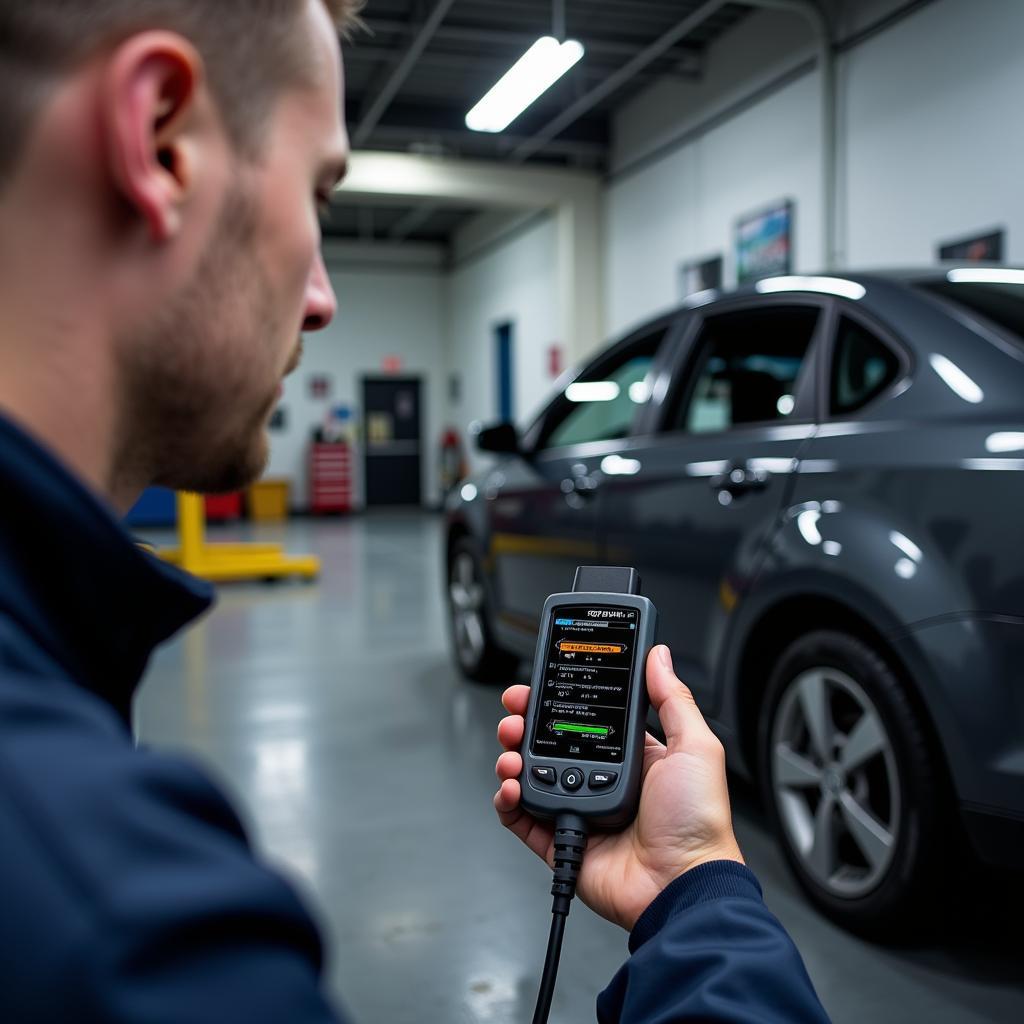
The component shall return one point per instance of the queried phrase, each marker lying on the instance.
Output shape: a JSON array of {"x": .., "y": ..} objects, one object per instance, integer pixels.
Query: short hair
[{"x": 252, "y": 50}]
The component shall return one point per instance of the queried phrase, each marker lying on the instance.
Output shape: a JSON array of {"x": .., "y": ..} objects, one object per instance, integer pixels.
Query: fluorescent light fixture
[
  {"x": 828, "y": 285},
  {"x": 786, "y": 404},
  {"x": 593, "y": 391},
  {"x": 469, "y": 492},
  {"x": 955, "y": 379},
  {"x": 1005, "y": 441},
  {"x": 985, "y": 275},
  {"x": 832, "y": 547},
  {"x": 531, "y": 76}
]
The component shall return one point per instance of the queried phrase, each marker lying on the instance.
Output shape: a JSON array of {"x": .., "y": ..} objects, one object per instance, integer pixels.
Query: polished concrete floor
[{"x": 364, "y": 765}]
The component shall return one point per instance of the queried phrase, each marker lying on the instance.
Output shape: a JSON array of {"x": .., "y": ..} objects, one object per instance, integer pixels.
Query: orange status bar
[{"x": 574, "y": 647}]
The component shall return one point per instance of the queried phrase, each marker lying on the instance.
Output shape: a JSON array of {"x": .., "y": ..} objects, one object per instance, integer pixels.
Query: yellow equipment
[{"x": 221, "y": 562}]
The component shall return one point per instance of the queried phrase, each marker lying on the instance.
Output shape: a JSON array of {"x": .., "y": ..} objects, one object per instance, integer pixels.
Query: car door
[
  {"x": 543, "y": 513},
  {"x": 692, "y": 502}
]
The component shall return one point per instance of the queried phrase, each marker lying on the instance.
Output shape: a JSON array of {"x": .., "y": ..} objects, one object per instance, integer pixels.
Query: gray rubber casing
[{"x": 611, "y": 808}]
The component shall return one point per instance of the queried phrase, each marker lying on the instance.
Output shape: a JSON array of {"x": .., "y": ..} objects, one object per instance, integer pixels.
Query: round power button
[{"x": 572, "y": 779}]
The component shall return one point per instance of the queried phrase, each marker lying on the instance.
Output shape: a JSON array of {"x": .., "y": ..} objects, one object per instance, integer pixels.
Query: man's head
[{"x": 161, "y": 168}]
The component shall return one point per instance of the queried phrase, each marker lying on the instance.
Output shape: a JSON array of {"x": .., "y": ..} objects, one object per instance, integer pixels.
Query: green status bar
[{"x": 597, "y": 730}]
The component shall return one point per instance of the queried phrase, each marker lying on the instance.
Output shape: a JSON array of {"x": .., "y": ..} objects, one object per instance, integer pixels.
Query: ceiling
[{"x": 420, "y": 65}]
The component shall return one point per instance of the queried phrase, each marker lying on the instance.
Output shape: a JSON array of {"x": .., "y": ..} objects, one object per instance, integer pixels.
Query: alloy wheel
[
  {"x": 466, "y": 596},
  {"x": 835, "y": 781}
]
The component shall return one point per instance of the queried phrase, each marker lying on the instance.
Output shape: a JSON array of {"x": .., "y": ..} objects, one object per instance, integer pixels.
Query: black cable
[{"x": 570, "y": 843}]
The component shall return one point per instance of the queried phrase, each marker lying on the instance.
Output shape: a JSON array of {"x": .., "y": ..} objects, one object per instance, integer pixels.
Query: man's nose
[{"x": 321, "y": 303}]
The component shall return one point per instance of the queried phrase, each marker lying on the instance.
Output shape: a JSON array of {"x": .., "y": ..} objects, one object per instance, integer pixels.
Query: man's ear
[{"x": 151, "y": 88}]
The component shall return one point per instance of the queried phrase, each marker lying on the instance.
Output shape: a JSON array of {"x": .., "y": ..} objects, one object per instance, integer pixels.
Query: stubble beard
[{"x": 196, "y": 385}]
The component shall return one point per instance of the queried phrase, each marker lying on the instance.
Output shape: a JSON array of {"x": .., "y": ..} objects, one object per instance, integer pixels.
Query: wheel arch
[{"x": 784, "y": 621}]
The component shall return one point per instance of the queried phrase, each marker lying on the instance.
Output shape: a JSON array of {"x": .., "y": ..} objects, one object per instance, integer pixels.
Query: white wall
[
  {"x": 514, "y": 280},
  {"x": 383, "y": 310},
  {"x": 933, "y": 139},
  {"x": 929, "y": 147},
  {"x": 684, "y": 206}
]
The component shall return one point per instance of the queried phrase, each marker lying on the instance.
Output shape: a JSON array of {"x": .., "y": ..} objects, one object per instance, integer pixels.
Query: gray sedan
[{"x": 821, "y": 482}]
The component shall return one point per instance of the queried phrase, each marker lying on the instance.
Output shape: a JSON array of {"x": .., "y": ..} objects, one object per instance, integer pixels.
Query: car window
[
  {"x": 601, "y": 403},
  {"x": 746, "y": 369},
  {"x": 1000, "y": 302},
  {"x": 862, "y": 367}
]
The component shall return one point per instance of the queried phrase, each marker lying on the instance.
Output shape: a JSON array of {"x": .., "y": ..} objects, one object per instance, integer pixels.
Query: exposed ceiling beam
[
  {"x": 414, "y": 219},
  {"x": 401, "y": 72},
  {"x": 516, "y": 40},
  {"x": 689, "y": 67},
  {"x": 618, "y": 79},
  {"x": 395, "y": 135}
]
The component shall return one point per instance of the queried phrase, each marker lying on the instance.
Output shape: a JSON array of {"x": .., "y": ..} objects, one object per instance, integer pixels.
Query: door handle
[{"x": 737, "y": 481}]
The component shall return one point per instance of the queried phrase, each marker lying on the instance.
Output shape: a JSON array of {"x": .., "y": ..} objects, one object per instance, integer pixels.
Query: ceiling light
[
  {"x": 531, "y": 76},
  {"x": 828, "y": 285}
]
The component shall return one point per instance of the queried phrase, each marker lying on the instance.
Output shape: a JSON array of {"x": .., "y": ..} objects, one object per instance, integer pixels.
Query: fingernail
[{"x": 665, "y": 656}]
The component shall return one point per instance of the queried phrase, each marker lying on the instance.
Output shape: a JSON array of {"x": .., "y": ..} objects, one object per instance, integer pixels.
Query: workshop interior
[{"x": 707, "y": 318}]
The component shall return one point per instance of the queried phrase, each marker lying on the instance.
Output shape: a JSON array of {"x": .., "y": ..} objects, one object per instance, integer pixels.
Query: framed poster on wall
[
  {"x": 764, "y": 242},
  {"x": 700, "y": 276},
  {"x": 976, "y": 249}
]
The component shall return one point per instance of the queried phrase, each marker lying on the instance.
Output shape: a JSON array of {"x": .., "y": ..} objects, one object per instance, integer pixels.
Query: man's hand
[{"x": 684, "y": 817}]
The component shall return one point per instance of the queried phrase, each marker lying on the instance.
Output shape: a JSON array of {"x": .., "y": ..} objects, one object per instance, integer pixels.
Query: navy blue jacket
[{"x": 128, "y": 891}]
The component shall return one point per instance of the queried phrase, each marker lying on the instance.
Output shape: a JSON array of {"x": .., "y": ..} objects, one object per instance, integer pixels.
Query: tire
[
  {"x": 476, "y": 653},
  {"x": 850, "y": 783}
]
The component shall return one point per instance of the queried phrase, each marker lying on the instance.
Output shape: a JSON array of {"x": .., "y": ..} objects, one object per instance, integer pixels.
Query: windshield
[{"x": 1000, "y": 302}]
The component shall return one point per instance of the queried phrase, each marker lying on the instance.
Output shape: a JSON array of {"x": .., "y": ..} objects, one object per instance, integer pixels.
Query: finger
[
  {"x": 536, "y": 835},
  {"x": 677, "y": 711},
  {"x": 654, "y": 751},
  {"x": 510, "y": 732},
  {"x": 515, "y": 699},
  {"x": 653, "y": 743},
  {"x": 509, "y": 766}
]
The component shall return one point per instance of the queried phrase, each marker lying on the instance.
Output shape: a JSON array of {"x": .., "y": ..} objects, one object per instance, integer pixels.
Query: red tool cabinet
[{"x": 330, "y": 477}]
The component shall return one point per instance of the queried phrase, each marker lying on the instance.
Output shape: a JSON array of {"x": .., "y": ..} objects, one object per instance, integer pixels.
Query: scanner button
[
  {"x": 544, "y": 774},
  {"x": 602, "y": 780},
  {"x": 572, "y": 779}
]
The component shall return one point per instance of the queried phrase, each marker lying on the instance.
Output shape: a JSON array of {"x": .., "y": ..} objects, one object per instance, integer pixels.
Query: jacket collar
[{"x": 74, "y": 581}]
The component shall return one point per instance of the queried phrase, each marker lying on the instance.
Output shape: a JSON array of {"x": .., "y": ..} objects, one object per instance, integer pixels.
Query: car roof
[{"x": 908, "y": 275}]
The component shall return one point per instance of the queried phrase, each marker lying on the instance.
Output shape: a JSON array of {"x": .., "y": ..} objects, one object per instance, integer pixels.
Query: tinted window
[
  {"x": 861, "y": 368},
  {"x": 1003, "y": 304},
  {"x": 747, "y": 368},
  {"x": 601, "y": 403}
]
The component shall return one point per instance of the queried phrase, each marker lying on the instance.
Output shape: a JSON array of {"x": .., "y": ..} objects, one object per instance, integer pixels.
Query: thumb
[{"x": 677, "y": 711}]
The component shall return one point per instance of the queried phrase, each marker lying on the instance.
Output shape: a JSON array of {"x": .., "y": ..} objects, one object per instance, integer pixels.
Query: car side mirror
[{"x": 501, "y": 438}]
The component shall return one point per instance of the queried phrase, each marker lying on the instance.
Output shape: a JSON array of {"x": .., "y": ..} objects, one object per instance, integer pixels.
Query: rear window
[{"x": 1002, "y": 303}]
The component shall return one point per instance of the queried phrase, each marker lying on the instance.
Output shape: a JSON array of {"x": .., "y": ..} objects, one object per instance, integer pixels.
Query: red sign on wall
[
  {"x": 555, "y": 360},
  {"x": 391, "y": 364}
]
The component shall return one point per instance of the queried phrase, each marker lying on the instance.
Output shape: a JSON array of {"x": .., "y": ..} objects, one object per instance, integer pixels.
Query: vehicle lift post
[{"x": 222, "y": 562}]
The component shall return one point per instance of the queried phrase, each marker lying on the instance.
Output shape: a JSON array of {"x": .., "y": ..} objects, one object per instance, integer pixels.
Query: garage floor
[{"x": 365, "y": 767}]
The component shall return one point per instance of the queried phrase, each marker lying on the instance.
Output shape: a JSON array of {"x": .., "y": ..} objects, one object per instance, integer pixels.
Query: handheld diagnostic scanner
[{"x": 583, "y": 746}]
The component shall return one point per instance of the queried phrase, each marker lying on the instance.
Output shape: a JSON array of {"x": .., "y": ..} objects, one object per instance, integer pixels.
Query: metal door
[{"x": 392, "y": 441}]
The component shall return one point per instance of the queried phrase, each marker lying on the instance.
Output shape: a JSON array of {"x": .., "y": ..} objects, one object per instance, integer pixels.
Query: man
[{"x": 161, "y": 168}]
